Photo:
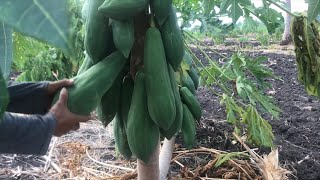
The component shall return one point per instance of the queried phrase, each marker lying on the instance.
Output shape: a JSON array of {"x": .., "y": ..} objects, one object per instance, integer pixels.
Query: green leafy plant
[
  {"x": 241, "y": 81},
  {"x": 50, "y": 64},
  {"x": 264, "y": 39}
]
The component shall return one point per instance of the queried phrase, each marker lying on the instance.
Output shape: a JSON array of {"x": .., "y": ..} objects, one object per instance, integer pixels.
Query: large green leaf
[
  {"x": 271, "y": 18},
  {"x": 259, "y": 130},
  {"x": 5, "y": 50},
  {"x": 208, "y": 6},
  {"x": 313, "y": 9},
  {"x": 4, "y": 97},
  {"x": 234, "y": 8},
  {"x": 45, "y": 20},
  {"x": 5, "y": 64}
]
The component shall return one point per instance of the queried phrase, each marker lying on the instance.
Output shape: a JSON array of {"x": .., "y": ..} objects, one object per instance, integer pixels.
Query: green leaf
[
  {"x": 271, "y": 18},
  {"x": 4, "y": 96},
  {"x": 208, "y": 6},
  {"x": 229, "y": 156},
  {"x": 235, "y": 8},
  {"x": 45, "y": 20},
  {"x": 267, "y": 104},
  {"x": 259, "y": 130},
  {"x": 313, "y": 9},
  {"x": 236, "y": 12},
  {"x": 234, "y": 111},
  {"x": 5, "y": 50},
  {"x": 224, "y": 6}
]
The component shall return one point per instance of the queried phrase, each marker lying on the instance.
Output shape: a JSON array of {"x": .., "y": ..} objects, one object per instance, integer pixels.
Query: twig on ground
[
  {"x": 54, "y": 165},
  {"x": 108, "y": 165},
  {"x": 48, "y": 158},
  {"x": 268, "y": 164},
  {"x": 102, "y": 172}
]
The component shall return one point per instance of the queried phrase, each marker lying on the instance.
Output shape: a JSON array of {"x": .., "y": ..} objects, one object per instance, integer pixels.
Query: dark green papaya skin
[
  {"x": 161, "y": 101},
  {"x": 87, "y": 90},
  {"x": 98, "y": 36},
  {"x": 142, "y": 133},
  {"x": 172, "y": 39}
]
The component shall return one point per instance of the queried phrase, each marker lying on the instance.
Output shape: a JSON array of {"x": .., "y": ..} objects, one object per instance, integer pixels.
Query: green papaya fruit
[
  {"x": 186, "y": 81},
  {"x": 191, "y": 101},
  {"x": 86, "y": 64},
  {"x": 161, "y": 101},
  {"x": 176, "y": 125},
  {"x": 143, "y": 134},
  {"x": 161, "y": 9},
  {"x": 98, "y": 36},
  {"x": 87, "y": 90},
  {"x": 123, "y": 35},
  {"x": 172, "y": 39},
  {"x": 194, "y": 76},
  {"x": 188, "y": 128},
  {"x": 122, "y": 9},
  {"x": 120, "y": 137}
]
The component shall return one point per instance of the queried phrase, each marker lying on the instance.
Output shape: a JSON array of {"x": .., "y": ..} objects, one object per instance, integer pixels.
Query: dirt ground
[
  {"x": 298, "y": 129},
  {"x": 297, "y": 133}
]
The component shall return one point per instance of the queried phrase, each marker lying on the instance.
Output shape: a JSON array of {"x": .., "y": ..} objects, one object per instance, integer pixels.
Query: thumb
[{"x": 63, "y": 98}]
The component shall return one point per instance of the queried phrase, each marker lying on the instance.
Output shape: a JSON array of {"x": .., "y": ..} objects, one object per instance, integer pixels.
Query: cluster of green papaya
[
  {"x": 306, "y": 38},
  {"x": 157, "y": 100}
]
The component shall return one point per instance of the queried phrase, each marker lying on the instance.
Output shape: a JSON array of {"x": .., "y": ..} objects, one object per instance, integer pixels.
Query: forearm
[
  {"x": 26, "y": 134},
  {"x": 28, "y": 97}
]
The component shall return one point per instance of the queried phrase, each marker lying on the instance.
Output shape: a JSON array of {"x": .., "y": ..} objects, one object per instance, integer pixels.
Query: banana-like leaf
[
  {"x": 45, "y": 20},
  {"x": 5, "y": 64},
  {"x": 5, "y": 50},
  {"x": 313, "y": 9},
  {"x": 4, "y": 96}
]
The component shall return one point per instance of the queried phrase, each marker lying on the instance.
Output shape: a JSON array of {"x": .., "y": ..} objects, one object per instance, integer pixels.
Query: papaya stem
[
  {"x": 282, "y": 8},
  {"x": 203, "y": 44},
  {"x": 152, "y": 21}
]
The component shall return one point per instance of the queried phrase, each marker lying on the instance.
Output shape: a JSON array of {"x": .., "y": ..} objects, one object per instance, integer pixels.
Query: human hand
[
  {"x": 53, "y": 87},
  {"x": 65, "y": 120}
]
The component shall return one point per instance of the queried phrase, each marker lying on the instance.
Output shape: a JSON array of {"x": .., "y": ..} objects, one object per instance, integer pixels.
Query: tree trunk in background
[{"x": 286, "y": 36}]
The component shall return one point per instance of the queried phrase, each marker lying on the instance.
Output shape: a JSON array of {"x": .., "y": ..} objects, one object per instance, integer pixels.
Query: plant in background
[
  {"x": 241, "y": 81},
  {"x": 49, "y": 64},
  {"x": 264, "y": 39},
  {"x": 277, "y": 35}
]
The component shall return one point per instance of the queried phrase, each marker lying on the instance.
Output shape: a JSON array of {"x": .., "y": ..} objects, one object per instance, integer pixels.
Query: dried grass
[{"x": 89, "y": 153}]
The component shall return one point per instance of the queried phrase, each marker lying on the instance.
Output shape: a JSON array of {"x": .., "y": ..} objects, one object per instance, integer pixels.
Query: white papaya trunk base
[
  {"x": 159, "y": 163},
  {"x": 165, "y": 157},
  {"x": 149, "y": 171}
]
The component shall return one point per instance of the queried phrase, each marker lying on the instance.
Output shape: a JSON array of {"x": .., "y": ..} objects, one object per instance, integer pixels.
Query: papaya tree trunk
[
  {"x": 150, "y": 171},
  {"x": 165, "y": 157},
  {"x": 286, "y": 36}
]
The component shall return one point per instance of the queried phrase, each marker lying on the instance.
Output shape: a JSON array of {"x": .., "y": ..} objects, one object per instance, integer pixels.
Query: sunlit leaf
[{"x": 45, "y": 20}]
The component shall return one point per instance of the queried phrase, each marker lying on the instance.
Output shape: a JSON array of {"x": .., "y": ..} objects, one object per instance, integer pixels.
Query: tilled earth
[{"x": 297, "y": 131}]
